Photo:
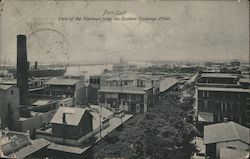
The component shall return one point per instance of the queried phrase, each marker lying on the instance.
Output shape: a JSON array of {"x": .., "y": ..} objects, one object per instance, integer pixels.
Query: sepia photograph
[{"x": 117, "y": 79}]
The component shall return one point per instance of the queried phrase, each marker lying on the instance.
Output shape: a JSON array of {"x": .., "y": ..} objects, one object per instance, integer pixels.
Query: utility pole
[{"x": 100, "y": 115}]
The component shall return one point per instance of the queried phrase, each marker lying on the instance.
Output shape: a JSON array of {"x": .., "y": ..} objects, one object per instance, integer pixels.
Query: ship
[{"x": 42, "y": 72}]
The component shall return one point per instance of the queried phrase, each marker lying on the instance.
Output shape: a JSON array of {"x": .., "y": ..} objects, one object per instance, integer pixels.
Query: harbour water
[{"x": 87, "y": 70}]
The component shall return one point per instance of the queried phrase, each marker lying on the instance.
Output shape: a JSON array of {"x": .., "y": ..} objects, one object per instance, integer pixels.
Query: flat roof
[
  {"x": 219, "y": 75},
  {"x": 123, "y": 89},
  {"x": 61, "y": 81},
  {"x": 245, "y": 80},
  {"x": 218, "y": 89},
  {"x": 30, "y": 149},
  {"x": 4, "y": 87},
  {"x": 41, "y": 102}
]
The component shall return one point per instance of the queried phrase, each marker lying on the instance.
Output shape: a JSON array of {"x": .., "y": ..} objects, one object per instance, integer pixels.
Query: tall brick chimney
[{"x": 22, "y": 70}]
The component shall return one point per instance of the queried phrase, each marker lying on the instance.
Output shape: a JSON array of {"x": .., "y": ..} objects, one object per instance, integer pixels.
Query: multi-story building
[
  {"x": 221, "y": 96},
  {"x": 9, "y": 105},
  {"x": 133, "y": 94},
  {"x": 66, "y": 88}
]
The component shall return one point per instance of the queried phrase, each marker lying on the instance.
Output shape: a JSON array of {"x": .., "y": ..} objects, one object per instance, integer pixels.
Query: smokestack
[
  {"x": 28, "y": 65},
  {"x": 22, "y": 70},
  {"x": 35, "y": 65}
]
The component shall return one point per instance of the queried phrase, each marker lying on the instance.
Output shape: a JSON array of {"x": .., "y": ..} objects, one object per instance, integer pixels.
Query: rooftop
[
  {"x": 5, "y": 87},
  {"x": 73, "y": 117},
  {"x": 219, "y": 75},
  {"x": 94, "y": 111},
  {"x": 245, "y": 80},
  {"x": 113, "y": 124},
  {"x": 123, "y": 89},
  {"x": 30, "y": 149},
  {"x": 41, "y": 102},
  {"x": 213, "y": 133},
  {"x": 167, "y": 83},
  {"x": 62, "y": 81},
  {"x": 8, "y": 81},
  {"x": 218, "y": 89}
]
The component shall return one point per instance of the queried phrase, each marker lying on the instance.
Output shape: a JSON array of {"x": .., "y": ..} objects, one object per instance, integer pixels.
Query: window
[
  {"x": 205, "y": 94},
  {"x": 224, "y": 106},
  {"x": 205, "y": 104},
  {"x": 137, "y": 96},
  {"x": 11, "y": 92}
]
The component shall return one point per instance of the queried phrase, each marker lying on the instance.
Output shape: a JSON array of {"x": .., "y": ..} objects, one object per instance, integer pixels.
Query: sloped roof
[
  {"x": 227, "y": 131},
  {"x": 61, "y": 81},
  {"x": 167, "y": 83},
  {"x": 73, "y": 115}
]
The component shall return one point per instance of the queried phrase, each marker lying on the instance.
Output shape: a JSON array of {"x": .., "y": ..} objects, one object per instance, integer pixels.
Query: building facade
[
  {"x": 222, "y": 96},
  {"x": 133, "y": 95},
  {"x": 9, "y": 105},
  {"x": 66, "y": 88}
]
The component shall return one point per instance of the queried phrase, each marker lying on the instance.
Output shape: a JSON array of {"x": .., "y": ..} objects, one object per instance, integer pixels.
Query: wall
[
  {"x": 74, "y": 142},
  {"x": 11, "y": 99},
  {"x": 34, "y": 122},
  {"x": 68, "y": 102},
  {"x": 17, "y": 142}
]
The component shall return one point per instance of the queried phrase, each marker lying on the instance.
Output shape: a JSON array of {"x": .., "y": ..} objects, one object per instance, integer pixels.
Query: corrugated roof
[
  {"x": 5, "y": 87},
  {"x": 227, "y": 131},
  {"x": 73, "y": 116},
  {"x": 123, "y": 89},
  {"x": 218, "y": 89},
  {"x": 61, "y": 81},
  {"x": 167, "y": 83}
]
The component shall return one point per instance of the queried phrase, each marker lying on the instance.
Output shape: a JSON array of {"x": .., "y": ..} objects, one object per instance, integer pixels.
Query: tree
[{"x": 163, "y": 132}]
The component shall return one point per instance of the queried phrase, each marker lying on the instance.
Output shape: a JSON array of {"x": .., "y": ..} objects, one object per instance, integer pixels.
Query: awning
[{"x": 206, "y": 117}]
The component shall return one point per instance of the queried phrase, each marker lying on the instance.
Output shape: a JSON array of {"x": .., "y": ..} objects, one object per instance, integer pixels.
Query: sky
[{"x": 194, "y": 31}]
